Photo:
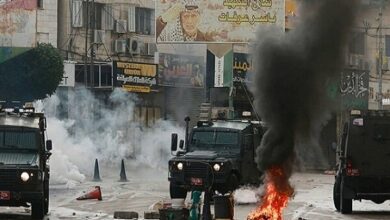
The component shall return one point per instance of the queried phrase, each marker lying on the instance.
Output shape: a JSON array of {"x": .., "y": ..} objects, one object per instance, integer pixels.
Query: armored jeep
[
  {"x": 24, "y": 154},
  {"x": 217, "y": 156},
  {"x": 363, "y": 169}
]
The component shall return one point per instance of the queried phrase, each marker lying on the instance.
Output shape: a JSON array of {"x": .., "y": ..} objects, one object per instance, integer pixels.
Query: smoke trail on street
[
  {"x": 293, "y": 73},
  {"x": 108, "y": 133}
]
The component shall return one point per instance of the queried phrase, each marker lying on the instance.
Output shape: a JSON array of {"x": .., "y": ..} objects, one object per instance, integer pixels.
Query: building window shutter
[
  {"x": 107, "y": 18},
  {"x": 77, "y": 13},
  {"x": 152, "y": 22},
  {"x": 131, "y": 19}
]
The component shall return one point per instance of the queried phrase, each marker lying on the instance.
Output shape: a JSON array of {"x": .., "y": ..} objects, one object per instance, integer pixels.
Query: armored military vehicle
[
  {"x": 24, "y": 154},
  {"x": 217, "y": 155},
  {"x": 363, "y": 169}
]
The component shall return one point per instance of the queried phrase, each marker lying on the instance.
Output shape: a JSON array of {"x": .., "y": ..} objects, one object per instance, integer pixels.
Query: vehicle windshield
[
  {"x": 215, "y": 140},
  {"x": 18, "y": 140}
]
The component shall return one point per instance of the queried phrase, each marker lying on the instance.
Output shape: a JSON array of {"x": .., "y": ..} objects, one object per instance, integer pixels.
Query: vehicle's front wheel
[
  {"x": 177, "y": 192},
  {"x": 345, "y": 204},
  {"x": 37, "y": 209},
  {"x": 336, "y": 193}
]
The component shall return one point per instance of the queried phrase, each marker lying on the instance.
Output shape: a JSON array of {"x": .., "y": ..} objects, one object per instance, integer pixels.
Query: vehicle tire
[
  {"x": 37, "y": 209},
  {"x": 177, "y": 192},
  {"x": 336, "y": 193},
  {"x": 345, "y": 204},
  {"x": 46, "y": 197}
]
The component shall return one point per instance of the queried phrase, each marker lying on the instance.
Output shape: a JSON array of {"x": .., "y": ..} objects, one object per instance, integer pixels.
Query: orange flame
[{"x": 277, "y": 193}]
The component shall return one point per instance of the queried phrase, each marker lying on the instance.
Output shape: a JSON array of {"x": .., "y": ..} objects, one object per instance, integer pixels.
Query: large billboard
[
  {"x": 221, "y": 21},
  {"x": 179, "y": 70}
]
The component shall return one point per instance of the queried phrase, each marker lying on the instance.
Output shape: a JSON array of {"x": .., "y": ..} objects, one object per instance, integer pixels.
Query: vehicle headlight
[
  {"x": 180, "y": 166},
  {"x": 25, "y": 176},
  {"x": 217, "y": 167}
]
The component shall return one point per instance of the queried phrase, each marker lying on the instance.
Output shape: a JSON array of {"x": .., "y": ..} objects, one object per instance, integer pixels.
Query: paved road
[{"x": 312, "y": 201}]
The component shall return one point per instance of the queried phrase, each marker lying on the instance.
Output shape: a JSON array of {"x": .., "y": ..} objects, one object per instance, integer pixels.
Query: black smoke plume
[{"x": 293, "y": 72}]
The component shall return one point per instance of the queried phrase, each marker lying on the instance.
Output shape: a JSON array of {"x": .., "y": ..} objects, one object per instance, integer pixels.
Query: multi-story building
[{"x": 100, "y": 33}]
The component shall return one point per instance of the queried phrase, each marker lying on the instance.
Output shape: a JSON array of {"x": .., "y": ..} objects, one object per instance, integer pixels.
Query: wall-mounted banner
[
  {"x": 354, "y": 88},
  {"x": 136, "y": 77},
  {"x": 219, "y": 69},
  {"x": 216, "y": 20},
  {"x": 181, "y": 70}
]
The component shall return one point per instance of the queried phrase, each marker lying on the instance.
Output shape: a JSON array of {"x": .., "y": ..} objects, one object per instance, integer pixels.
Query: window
[
  {"x": 105, "y": 74},
  {"x": 102, "y": 76},
  {"x": 371, "y": 93},
  {"x": 40, "y": 4},
  {"x": 144, "y": 21},
  {"x": 107, "y": 17},
  {"x": 18, "y": 140},
  {"x": 80, "y": 13},
  {"x": 387, "y": 45},
  {"x": 356, "y": 43},
  {"x": 77, "y": 13}
]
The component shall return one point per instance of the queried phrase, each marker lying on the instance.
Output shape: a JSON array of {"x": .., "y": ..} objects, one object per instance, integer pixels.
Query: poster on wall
[
  {"x": 181, "y": 70},
  {"x": 136, "y": 77},
  {"x": 354, "y": 88},
  {"x": 222, "y": 21}
]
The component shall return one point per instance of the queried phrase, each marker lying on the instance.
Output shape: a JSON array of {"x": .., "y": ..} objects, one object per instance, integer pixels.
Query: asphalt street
[{"x": 147, "y": 189}]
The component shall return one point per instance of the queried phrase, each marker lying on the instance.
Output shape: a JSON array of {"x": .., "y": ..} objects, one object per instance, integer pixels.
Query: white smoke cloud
[{"x": 109, "y": 134}]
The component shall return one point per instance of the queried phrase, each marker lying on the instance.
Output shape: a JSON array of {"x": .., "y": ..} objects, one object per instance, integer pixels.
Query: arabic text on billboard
[
  {"x": 136, "y": 77},
  {"x": 216, "y": 20},
  {"x": 181, "y": 70}
]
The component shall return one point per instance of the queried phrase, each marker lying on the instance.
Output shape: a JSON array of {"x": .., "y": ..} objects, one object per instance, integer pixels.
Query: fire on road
[{"x": 143, "y": 191}]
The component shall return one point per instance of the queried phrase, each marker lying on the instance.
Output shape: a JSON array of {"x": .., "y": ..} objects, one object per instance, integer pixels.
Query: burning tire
[
  {"x": 336, "y": 194},
  {"x": 345, "y": 204},
  {"x": 177, "y": 192}
]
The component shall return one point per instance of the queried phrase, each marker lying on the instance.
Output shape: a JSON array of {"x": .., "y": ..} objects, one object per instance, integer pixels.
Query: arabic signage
[
  {"x": 223, "y": 21},
  {"x": 242, "y": 65},
  {"x": 181, "y": 70},
  {"x": 354, "y": 89},
  {"x": 136, "y": 77}
]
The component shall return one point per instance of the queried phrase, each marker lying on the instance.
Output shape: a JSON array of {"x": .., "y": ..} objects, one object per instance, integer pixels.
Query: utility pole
[
  {"x": 86, "y": 45},
  {"x": 93, "y": 27},
  {"x": 380, "y": 61}
]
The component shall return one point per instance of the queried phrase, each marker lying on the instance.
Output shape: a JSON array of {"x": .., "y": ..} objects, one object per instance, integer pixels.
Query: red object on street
[{"x": 94, "y": 194}]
